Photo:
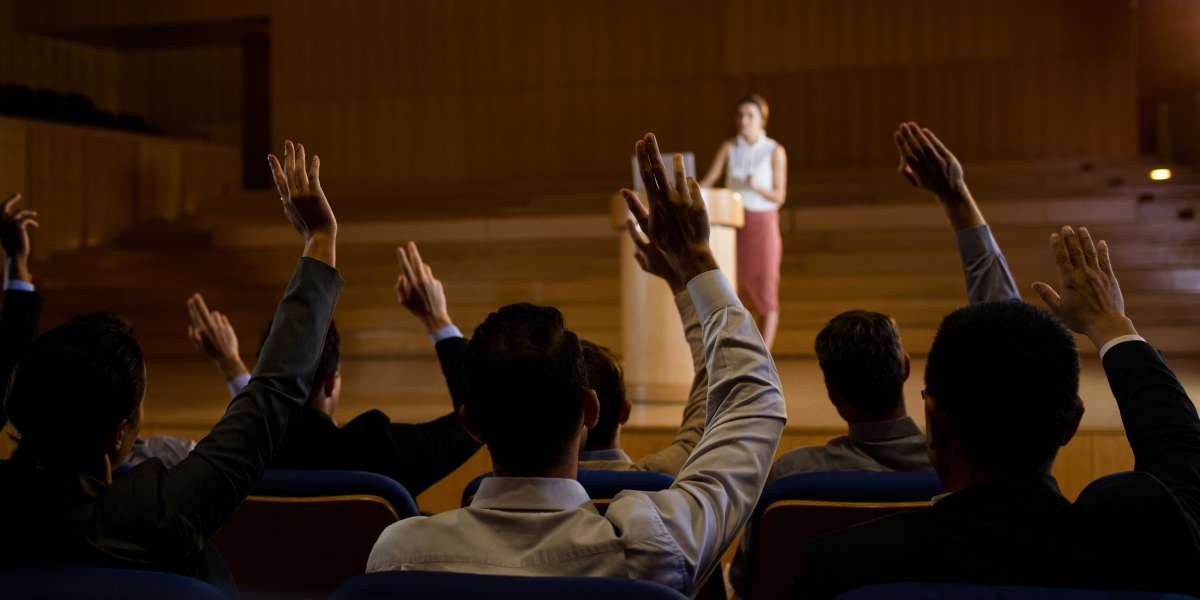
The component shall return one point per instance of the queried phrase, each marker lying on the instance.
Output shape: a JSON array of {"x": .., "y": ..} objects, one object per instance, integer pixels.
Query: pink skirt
[{"x": 759, "y": 252}]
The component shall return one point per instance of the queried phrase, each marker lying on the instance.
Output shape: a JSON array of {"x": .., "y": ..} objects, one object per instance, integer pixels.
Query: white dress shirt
[{"x": 544, "y": 526}]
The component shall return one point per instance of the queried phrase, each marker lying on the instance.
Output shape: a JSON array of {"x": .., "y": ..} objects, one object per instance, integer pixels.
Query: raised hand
[
  {"x": 651, "y": 259},
  {"x": 677, "y": 221},
  {"x": 419, "y": 291},
  {"x": 926, "y": 163},
  {"x": 14, "y": 237},
  {"x": 304, "y": 201},
  {"x": 212, "y": 334},
  {"x": 1090, "y": 301}
]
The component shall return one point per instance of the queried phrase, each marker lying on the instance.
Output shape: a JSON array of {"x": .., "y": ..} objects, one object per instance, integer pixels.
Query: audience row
[{"x": 1001, "y": 397}]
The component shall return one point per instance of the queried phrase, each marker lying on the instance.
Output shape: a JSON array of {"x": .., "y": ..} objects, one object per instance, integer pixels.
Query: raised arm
[
  {"x": 205, "y": 489},
  {"x": 717, "y": 166},
  {"x": 717, "y": 487},
  {"x": 424, "y": 296},
  {"x": 928, "y": 164},
  {"x": 1159, "y": 418},
  {"x": 213, "y": 335},
  {"x": 671, "y": 458},
  {"x": 22, "y": 305}
]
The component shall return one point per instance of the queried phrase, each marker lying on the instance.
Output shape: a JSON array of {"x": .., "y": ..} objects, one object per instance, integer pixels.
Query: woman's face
[{"x": 749, "y": 119}]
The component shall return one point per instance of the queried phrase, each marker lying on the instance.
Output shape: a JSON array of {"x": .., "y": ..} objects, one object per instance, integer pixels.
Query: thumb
[{"x": 1049, "y": 296}]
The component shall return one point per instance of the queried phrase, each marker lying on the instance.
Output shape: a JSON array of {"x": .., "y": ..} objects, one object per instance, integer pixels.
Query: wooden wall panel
[
  {"x": 397, "y": 94},
  {"x": 110, "y": 173},
  {"x": 56, "y": 187},
  {"x": 194, "y": 91}
]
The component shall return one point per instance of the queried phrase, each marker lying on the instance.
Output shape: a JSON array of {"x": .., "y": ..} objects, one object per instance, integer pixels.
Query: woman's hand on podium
[
  {"x": 419, "y": 291},
  {"x": 304, "y": 202},
  {"x": 676, "y": 222}
]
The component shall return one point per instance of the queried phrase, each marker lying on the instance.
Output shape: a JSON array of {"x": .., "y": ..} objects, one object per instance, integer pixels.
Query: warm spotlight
[{"x": 1160, "y": 174}]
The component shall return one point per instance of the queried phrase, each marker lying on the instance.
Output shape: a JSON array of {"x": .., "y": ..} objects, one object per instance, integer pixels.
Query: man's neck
[{"x": 853, "y": 417}]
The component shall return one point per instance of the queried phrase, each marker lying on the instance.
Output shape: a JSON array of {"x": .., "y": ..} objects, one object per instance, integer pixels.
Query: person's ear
[
  {"x": 591, "y": 408},
  {"x": 1073, "y": 426},
  {"x": 332, "y": 383},
  {"x": 624, "y": 412},
  {"x": 937, "y": 424},
  {"x": 467, "y": 420},
  {"x": 114, "y": 440},
  {"x": 907, "y": 367}
]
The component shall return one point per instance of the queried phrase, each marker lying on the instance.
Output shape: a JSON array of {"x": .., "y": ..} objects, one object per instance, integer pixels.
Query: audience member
[
  {"x": 602, "y": 448},
  {"x": 1001, "y": 397},
  {"x": 529, "y": 401},
  {"x": 22, "y": 304},
  {"x": 76, "y": 402},
  {"x": 416, "y": 455},
  {"x": 860, "y": 352}
]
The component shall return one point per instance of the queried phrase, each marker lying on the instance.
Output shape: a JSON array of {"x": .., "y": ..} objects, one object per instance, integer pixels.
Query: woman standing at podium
[{"x": 756, "y": 167}]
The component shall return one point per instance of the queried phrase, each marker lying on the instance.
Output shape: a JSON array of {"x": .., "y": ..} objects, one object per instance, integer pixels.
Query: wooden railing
[{"x": 90, "y": 184}]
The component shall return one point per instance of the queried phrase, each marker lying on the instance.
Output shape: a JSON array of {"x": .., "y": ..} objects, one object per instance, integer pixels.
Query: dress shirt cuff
[
  {"x": 18, "y": 285},
  {"x": 1110, "y": 344},
  {"x": 683, "y": 302},
  {"x": 236, "y": 384},
  {"x": 710, "y": 292},
  {"x": 974, "y": 242},
  {"x": 445, "y": 333}
]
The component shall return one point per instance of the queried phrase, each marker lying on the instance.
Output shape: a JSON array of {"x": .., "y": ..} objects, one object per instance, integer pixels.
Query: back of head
[
  {"x": 1006, "y": 377},
  {"x": 525, "y": 377},
  {"x": 863, "y": 362},
  {"x": 76, "y": 383},
  {"x": 606, "y": 377}
]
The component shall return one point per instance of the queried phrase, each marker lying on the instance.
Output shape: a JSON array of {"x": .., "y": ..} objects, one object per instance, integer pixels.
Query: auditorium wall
[{"x": 404, "y": 95}]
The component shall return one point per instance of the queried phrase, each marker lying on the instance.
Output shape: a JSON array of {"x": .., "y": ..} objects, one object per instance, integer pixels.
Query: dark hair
[
  {"x": 606, "y": 377},
  {"x": 860, "y": 354},
  {"x": 525, "y": 376},
  {"x": 74, "y": 385},
  {"x": 1006, "y": 374},
  {"x": 331, "y": 354},
  {"x": 759, "y": 101}
]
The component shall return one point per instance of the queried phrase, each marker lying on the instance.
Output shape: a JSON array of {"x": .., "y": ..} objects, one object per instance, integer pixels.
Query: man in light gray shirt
[
  {"x": 861, "y": 355},
  {"x": 530, "y": 403}
]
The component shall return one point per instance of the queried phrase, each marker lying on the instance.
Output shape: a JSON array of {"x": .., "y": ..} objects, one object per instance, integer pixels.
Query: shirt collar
[
  {"x": 610, "y": 454},
  {"x": 879, "y": 431},
  {"x": 530, "y": 494}
]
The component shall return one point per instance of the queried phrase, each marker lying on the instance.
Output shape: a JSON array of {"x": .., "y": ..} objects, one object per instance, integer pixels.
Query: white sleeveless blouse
[{"x": 753, "y": 161}]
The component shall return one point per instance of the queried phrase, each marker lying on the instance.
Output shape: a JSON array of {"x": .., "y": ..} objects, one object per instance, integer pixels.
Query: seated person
[
  {"x": 860, "y": 352},
  {"x": 1001, "y": 397},
  {"x": 529, "y": 401},
  {"x": 22, "y": 305},
  {"x": 602, "y": 449},
  {"x": 76, "y": 402},
  {"x": 416, "y": 455}
]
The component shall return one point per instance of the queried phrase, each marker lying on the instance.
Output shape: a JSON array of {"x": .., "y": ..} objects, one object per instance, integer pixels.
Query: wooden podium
[{"x": 657, "y": 361}]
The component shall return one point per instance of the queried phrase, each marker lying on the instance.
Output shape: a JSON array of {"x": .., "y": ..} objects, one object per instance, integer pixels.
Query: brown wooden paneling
[{"x": 398, "y": 94}]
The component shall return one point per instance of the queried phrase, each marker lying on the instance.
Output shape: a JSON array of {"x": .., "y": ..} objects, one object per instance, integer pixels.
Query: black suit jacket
[
  {"x": 417, "y": 455},
  {"x": 158, "y": 518},
  {"x": 1138, "y": 530},
  {"x": 18, "y": 326}
]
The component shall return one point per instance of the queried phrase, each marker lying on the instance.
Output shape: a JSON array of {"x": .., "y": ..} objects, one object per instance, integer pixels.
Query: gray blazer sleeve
[{"x": 986, "y": 270}]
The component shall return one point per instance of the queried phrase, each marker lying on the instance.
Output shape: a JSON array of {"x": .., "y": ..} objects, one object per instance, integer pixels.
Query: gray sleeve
[{"x": 987, "y": 275}]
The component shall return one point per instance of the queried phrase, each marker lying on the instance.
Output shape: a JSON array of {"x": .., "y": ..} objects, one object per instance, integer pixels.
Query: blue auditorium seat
[
  {"x": 301, "y": 532},
  {"x": 423, "y": 585},
  {"x": 803, "y": 506},
  {"x": 80, "y": 583},
  {"x": 601, "y": 485},
  {"x": 955, "y": 591}
]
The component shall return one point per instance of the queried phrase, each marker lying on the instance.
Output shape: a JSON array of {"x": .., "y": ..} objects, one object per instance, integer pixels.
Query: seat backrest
[
  {"x": 81, "y": 583},
  {"x": 798, "y": 508},
  {"x": 957, "y": 591},
  {"x": 425, "y": 585},
  {"x": 601, "y": 485},
  {"x": 302, "y": 532}
]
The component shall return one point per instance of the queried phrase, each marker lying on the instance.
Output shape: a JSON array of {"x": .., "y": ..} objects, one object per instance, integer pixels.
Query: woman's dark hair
[{"x": 760, "y": 102}]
